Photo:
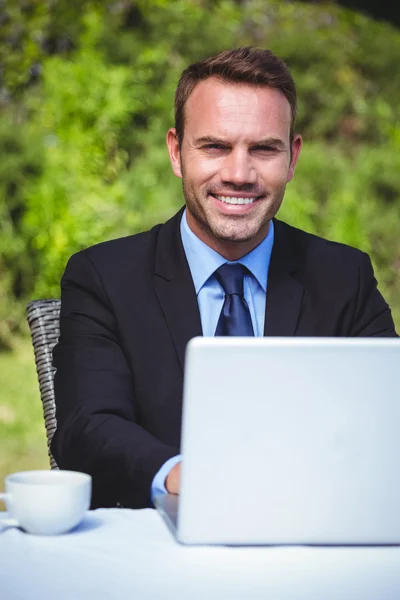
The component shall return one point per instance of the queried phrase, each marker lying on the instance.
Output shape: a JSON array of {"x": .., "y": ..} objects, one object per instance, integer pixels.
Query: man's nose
[{"x": 238, "y": 169}]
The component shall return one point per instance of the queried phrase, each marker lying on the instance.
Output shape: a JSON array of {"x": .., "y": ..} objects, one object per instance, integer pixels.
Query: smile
[{"x": 233, "y": 200}]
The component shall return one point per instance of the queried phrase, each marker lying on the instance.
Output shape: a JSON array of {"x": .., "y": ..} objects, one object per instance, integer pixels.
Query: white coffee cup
[{"x": 47, "y": 502}]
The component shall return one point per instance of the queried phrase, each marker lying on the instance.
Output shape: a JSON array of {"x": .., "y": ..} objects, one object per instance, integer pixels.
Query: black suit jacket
[{"x": 128, "y": 309}]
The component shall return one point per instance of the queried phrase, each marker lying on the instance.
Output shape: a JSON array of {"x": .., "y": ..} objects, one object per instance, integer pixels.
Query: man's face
[{"x": 235, "y": 161}]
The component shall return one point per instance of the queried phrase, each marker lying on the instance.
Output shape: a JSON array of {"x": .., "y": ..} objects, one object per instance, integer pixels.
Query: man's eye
[
  {"x": 214, "y": 147},
  {"x": 263, "y": 149}
]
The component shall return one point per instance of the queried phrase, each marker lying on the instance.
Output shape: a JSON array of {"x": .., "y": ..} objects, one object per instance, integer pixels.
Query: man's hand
[{"x": 173, "y": 479}]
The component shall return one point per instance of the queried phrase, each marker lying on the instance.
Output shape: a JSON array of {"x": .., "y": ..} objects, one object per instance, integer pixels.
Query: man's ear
[
  {"x": 295, "y": 148},
  {"x": 174, "y": 152}
]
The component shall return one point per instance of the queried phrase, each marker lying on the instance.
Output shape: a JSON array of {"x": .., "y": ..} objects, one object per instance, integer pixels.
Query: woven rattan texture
[{"x": 43, "y": 318}]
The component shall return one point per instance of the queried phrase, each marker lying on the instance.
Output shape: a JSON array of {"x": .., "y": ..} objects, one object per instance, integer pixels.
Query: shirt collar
[{"x": 203, "y": 260}]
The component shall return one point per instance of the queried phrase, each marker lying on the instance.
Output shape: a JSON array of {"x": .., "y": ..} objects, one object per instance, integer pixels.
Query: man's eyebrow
[
  {"x": 275, "y": 142},
  {"x": 208, "y": 139}
]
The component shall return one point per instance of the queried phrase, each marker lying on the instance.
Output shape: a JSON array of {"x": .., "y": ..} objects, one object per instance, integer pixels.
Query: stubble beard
[{"x": 232, "y": 228}]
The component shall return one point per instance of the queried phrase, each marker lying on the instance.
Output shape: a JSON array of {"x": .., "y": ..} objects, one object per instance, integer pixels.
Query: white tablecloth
[{"x": 125, "y": 554}]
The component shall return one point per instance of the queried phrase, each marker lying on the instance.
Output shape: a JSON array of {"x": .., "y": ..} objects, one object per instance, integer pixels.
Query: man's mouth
[{"x": 235, "y": 200}]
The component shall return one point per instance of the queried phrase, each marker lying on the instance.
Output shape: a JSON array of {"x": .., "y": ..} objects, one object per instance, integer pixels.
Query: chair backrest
[{"x": 44, "y": 323}]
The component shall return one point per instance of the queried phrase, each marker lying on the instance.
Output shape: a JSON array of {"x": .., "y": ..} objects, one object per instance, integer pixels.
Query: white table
[{"x": 125, "y": 554}]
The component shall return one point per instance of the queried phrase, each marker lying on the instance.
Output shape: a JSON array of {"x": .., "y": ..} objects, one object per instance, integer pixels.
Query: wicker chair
[{"x": 43, "y": 318}]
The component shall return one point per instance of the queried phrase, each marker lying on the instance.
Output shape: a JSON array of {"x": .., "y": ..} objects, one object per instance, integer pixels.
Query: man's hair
[{"x": 250, "y": 65}]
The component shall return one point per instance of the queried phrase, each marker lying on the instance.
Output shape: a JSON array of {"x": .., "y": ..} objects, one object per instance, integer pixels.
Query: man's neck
[{"x": 229, "y": 249}]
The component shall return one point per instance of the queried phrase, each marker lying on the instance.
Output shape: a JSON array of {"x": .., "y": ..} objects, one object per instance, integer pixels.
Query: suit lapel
[
  {"x": 174, "y": 287},
  {"x": 284, "y": 293},
  {"x": 177, "y": 296}
]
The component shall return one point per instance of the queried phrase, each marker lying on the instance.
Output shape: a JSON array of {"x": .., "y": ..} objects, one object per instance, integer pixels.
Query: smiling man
[{"x": 222, "y": 266}]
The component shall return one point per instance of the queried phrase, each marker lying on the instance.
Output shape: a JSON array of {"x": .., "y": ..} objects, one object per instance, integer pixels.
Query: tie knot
[{"x": 230, "y": 277}]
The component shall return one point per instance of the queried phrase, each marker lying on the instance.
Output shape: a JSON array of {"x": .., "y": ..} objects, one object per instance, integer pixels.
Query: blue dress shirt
[{"x": 203, "y": 262}]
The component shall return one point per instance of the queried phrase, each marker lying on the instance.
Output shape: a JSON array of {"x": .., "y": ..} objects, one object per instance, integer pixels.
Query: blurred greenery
[
  {"x": 86, "y": 98},
  {"x": 22, "y": 431}
]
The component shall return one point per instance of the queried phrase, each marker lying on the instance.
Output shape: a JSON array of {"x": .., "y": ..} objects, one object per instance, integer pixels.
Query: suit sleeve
[
  {"x": 372, "y": 315},
  {"x": 97, "y": 429}
]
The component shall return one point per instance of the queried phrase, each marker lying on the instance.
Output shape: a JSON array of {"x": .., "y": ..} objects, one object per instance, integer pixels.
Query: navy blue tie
[{"x": 235, "y": 315}]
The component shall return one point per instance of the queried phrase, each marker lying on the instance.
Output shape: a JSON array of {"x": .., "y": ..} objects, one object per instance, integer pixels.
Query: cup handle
[{"x": 5, "y": 497}]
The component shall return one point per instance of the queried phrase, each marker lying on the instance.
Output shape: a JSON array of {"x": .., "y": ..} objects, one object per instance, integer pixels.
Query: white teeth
[{"x": 231, "y": 200}]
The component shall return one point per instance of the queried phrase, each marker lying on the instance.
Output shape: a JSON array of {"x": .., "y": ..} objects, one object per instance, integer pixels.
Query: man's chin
[
  {"x": 234, "y": 236},
  {"x": 237, "y": 239}
]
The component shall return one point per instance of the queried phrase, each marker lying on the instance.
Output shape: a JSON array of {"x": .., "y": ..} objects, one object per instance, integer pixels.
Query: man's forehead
[
  {"x": 228, "y": 98},
  {"x": 217, "y": 101}
]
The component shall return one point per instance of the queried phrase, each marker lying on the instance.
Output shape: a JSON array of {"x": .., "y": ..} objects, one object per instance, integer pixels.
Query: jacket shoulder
[
  {"x": 119, "y": 250},
  {"x": 309, "y": 246}
]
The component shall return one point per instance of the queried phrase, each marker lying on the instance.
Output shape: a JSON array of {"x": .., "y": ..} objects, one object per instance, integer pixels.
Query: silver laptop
[{"x": 289, "y": 441}]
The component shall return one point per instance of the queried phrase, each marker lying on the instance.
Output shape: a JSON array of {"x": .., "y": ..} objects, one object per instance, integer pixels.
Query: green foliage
[
  {"x": 22, "y": 430},
  {"x": 20, "y": 164},
  {"x": 85, "y": 139},
  {"x": 83, "y": 105}
]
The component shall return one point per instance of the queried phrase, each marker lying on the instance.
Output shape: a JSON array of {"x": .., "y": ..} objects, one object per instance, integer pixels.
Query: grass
[{"x": 22, "y": 433}]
